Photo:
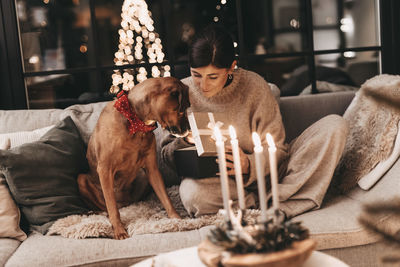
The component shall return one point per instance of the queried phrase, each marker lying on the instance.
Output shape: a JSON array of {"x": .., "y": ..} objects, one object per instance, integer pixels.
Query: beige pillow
[
  {"x": 9, "y": 212},
  {"x": 377, "y": 173},
  {"x": 19, "y": 138},
  {"x": 373, "y": 117}
]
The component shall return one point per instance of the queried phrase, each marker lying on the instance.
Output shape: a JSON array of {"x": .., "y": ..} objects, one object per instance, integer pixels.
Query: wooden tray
[{"x": 212, "y": 255}]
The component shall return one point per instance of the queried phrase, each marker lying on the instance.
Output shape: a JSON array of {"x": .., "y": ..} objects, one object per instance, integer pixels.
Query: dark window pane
[
  {"x": 325, "y": 13},
  {"x": 55, "y": 34},
  {"x": 345, "y": 25},
  {"x": 278, "y": 71},
  {"x": 182, "y": 71},
  {"x": 326, "y": 39},
  {"x": 108, "y": 21},
  {"x": 190, "y": 16},
  {"x": 273, "y": 26},
  {"x": 360, "y": 23},
  {"x": 359, "y": 66},
  {"x": 63, "y": 90}
]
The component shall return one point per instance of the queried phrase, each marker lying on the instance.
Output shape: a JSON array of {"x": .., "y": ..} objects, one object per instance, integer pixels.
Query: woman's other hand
[
  {"x": 189, "y": 138},
  {"x": 244, "y": 161}
]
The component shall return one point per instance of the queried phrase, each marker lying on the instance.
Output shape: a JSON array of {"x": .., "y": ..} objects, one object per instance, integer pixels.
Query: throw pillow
[
  {"x": 23, "y": 137},
  {"x": 9, "y": 212},
  {"x": 373, "y": 116},
  {"x": 42, "y": 175},
  {"x": 373, "y": 176}
]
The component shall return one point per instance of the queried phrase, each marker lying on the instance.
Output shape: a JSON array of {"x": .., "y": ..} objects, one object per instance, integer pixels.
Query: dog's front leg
[
  {"x": 106, "y": 177},
  {"x": 157, "y": 182}
]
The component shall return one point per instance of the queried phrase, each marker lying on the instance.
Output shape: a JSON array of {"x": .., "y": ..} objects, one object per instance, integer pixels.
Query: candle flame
[
  {"x": 232, "y": 132},
  {"x": 256, "y": 139},
  {"x": 217, "y": 134},
  {"x": 270, "y": 140}
]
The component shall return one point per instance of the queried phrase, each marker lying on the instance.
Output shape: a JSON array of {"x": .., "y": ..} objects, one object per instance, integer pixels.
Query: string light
[{"x": 137, "y": 34}]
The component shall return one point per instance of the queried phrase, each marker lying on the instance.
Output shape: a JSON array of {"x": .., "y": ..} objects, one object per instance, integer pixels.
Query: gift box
[
  {"x": 189, "y": 164},
  {"x": 202, "y": 125}
]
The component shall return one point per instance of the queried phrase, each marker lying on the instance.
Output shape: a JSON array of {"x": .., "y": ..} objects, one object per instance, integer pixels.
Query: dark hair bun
[{"x": 213, "y": 45}]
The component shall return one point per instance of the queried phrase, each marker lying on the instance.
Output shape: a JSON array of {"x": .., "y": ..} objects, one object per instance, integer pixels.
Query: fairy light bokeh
[{"x": 138, "y": 43}]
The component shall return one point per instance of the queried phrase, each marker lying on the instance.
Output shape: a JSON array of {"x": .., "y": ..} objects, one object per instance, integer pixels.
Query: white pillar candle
[
  {"x": 219, "y": 143},
  {"x": 238, "y": 167},
  {"x": 258, "y": 155},
  {"x": 273, "y": 171}
]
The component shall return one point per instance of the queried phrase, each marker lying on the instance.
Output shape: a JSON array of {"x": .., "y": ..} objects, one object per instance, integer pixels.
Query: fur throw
[
  {"x": 145, "y": 217},
  {"x": 373, "y": 117}
]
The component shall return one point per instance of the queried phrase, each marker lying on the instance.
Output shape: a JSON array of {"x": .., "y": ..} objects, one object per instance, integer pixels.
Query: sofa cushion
[
  {"x": 85, "y": 117},
  {"x": 27, "y": 120},
  {"x": 42, "y": 175},
  {"x": 299, "y": 112},
  {"x": 59, "y": 251},
  {"x": 7, "y": 248},
  {"x": 336, "y": 224}
]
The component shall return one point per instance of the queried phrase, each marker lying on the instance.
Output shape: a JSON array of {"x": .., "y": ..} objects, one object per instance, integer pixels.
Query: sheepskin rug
[
  {"x": 145, "y": 217},
  {"x": 373, "y": 117}
]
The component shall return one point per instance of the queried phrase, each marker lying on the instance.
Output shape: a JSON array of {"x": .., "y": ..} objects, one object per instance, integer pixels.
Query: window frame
[{"x": 13, "y": 91}]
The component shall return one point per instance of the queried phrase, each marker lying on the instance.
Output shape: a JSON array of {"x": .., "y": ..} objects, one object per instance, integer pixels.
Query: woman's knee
[
  {"x": 188, "y": 191},
  {"x": 200, "y": 197},
  {"x": 335, "y": 126}
]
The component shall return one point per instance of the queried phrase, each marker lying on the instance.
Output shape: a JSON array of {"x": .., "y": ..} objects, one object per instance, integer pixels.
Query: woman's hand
[
  {"x": 244, "y": 161},
  {"x": 189, "y": 138}
]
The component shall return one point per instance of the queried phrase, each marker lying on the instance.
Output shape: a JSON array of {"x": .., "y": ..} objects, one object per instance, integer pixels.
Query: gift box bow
[{"x": 207, "y": 130}]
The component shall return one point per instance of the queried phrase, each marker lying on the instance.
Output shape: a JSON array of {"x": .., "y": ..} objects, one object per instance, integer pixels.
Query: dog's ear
[
  {"x": 184, "y": 97},
  {"x": 181, "y": 96},
  {"x": 144, "y": 106},
  {"x": 141, "y": 96}
]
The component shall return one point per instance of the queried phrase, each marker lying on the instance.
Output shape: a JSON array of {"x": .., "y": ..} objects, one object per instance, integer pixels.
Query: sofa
[{"x": 335, "y": 226}]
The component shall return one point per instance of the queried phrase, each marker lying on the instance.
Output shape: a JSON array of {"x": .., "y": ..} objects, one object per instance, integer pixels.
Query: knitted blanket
[
  {"x": 373, "y": 118},
  {"x": 145, "y": 217}
]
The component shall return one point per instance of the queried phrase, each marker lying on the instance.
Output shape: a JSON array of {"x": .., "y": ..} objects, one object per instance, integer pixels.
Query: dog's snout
[
  {"x": 174, "y": 129},
  {"x": 181, "y": 129}
]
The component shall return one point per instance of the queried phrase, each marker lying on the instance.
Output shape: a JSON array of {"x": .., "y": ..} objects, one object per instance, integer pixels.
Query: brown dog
[{"x": 123, "y": 163}]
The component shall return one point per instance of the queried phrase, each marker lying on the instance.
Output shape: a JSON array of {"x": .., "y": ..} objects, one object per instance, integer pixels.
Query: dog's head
[{"x": 164, "y": 100}]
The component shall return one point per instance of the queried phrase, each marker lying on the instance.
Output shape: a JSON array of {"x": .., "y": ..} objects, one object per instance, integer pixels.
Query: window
[{"x": 55, "y": 53}]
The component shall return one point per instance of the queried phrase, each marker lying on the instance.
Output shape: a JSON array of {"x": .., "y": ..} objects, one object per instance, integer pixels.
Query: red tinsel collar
[{"x": 135, "y": 124}]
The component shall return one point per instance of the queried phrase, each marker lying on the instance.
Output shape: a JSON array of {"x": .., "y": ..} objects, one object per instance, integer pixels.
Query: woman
[{"x": 306, "y": 165}]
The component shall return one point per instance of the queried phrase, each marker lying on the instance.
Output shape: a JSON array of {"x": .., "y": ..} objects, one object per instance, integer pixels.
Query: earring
[{"x": 230, "y": 76}]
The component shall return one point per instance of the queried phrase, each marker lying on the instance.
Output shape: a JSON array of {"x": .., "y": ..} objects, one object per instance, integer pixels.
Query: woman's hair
[{"x": 213, "y": 45}]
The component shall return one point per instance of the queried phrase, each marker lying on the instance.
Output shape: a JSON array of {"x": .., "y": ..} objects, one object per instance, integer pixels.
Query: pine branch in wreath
[{"x": 268, "y": 237}]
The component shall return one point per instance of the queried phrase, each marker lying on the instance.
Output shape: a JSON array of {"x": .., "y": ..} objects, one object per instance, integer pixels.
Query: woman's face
[{"x": 210, "y": 79}]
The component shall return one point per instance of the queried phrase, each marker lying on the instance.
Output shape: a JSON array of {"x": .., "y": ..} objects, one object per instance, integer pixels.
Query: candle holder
[{"x": 276, "y": 242}]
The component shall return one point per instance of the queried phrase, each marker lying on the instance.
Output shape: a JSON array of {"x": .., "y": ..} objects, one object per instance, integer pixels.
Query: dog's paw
[
  {"x": 174, "y": 215},
  {"x": 120, "y": 233}
]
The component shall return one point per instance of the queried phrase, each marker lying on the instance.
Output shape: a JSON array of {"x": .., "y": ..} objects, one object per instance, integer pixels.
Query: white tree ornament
[{"x": 137, "y": 34}]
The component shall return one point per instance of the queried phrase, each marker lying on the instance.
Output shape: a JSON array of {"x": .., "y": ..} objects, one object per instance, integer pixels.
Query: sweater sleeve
[
  {"x": 266, "y": 118},
  {"x": 166, "y": 146}
]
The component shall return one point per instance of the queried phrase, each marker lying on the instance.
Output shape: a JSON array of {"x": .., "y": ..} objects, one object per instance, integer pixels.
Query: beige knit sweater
[{"x": 249, "y": 106}]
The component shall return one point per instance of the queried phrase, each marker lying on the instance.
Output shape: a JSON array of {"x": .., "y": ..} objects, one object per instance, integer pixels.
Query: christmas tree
[{"x": 136, "y": 36}]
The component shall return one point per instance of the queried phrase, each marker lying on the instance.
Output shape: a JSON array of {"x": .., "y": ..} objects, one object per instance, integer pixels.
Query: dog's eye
[{"x": 174, "y": 94}]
